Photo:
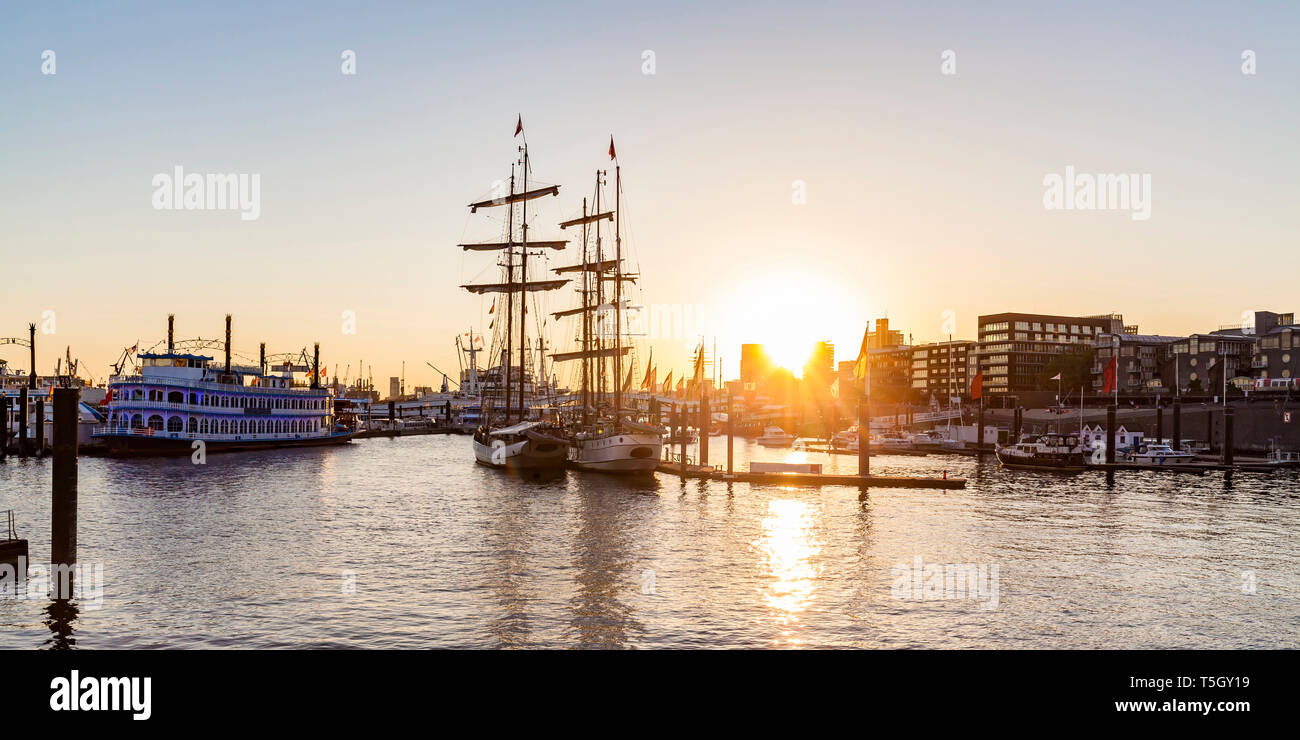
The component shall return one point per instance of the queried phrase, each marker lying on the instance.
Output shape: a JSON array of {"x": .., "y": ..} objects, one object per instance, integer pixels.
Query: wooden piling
[
  {"x": 63, "y": 509},
  {"x": 979, "y": 439}
]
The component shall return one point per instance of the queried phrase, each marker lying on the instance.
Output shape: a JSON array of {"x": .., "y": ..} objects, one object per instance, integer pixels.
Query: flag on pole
[
  {"x": 649, "y": 382},
  {"x": 668, "y": 383},
  {"x": 1055, "y": 377},
  {"x": 493, "y": 308},
  {"x": 627, "y": 382},
  {"x": 519, "y": 127},
  {"x": 681, "y": 383},
  {"x": 611, "y": 147},
  {"x": 860, "y": 369},
  {"x": 977, "y": 386},
  {"x": 1108, "y": 377}
]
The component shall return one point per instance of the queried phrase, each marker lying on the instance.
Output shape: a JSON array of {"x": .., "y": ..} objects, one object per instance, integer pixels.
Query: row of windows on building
[
  {"x": 196, "y": 425},
  {"x": 226, "y": 401}
]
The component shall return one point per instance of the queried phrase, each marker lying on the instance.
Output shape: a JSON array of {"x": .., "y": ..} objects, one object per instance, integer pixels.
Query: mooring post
[
  {"x": 1110, "y": 434},
  {"x": 392, "y": 413},
  {"x": 681, "y": 438},
  {"x": 4, "y": 432},
  {"x": 446, "y": 414},
  {"x": 40, "y": 425},
  {"x": 1178, "y": 423},
  {"x": 24, "y": 444},
  {"x": 705, "y": 423},
  {"x": 979, "y": 443},
  {"x": 731, "y": 433},
  {"x": 1228, "y": 413},
  {"x": 63, "y": 508},
  {"x": 1160, "y": 422},
  {"x": 864, "y": 437}
]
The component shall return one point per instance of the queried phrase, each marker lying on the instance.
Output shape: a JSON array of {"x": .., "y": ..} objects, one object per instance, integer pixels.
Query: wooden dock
[{"x": 701, "y": 472}]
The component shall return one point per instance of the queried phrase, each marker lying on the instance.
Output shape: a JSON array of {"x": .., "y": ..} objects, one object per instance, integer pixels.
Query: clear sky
[{"x": 924, "y": 191}]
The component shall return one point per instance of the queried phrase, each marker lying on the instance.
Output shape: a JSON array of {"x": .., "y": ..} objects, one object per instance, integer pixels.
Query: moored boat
[
  {"x": 776, "y": 437},
  {"x": 181, "y": 399},
  {"x": 1057, "y": 452},
  {"x": 1160, "y": 454}
]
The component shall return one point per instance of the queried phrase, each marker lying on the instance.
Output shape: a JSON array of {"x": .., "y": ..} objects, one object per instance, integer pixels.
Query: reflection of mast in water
[
  {"x": 509, "y": 537},
  {"x": 605, "y": 569}
]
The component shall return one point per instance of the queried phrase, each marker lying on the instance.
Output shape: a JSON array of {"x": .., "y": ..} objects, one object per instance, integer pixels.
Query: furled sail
[
  {"x": 607, "y": 352},
  {"x": 602, "y": 266},
  {"x": 514, "y": 198},
  {"x": 480, "y": 288},
  {"x": 606, "y": 216},
  {"x": 488, "y": 246}
]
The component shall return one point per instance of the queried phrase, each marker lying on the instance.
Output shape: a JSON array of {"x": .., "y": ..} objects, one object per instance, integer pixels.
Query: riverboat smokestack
[
  {"x": 315, "y": 367},
  {"x": 31, "y": 380},
  {"x": 227, "y": 344},
  {"x": 171, "y": 333}
]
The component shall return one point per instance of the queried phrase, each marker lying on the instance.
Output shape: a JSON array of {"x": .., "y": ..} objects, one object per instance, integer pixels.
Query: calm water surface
[{"x": 406, "y": 543}]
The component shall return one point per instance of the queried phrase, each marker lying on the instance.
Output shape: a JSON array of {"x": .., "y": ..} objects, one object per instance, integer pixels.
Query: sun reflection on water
[{"x": 788, "y": 547}]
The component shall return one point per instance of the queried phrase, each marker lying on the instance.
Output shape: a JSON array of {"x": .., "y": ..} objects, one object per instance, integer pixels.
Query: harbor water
[{"x": 406, "y": 543}]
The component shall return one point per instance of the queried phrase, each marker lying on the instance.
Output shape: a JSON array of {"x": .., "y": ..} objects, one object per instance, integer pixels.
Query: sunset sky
[{"x": 924, "y": 191}]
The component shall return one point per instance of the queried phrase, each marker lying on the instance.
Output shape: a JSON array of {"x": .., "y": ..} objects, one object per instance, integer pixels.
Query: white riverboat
[{"x": 179, "y": 398}]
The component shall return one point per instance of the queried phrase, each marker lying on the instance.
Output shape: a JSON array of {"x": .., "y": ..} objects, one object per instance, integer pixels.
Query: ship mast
[
  {"x": 523, "y": 277},
  {"x": 586, "y": 323},
  {"x": 510, "y": 293},
  {"x": 510, "y": 286},
  {"x": 618, "y": 300}
]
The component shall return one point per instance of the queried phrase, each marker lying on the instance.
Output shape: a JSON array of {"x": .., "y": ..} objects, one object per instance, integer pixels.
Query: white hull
[
  {"x": 516, "y": 455},
  {"x": 622, "y": 453},
  {"x": 1163, "y": 459}
]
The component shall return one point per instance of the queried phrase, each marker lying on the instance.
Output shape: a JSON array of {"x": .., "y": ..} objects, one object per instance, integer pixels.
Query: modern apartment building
[
  {"x": 941, "y": 369},
  {"x": 1015, "y": 348}
]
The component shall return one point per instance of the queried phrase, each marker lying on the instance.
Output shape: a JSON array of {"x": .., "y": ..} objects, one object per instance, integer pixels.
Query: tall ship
[
  {"x": 177, "y": 398},
  {"x": 513, "y": 434},
  {"x": 604, "y": 433}
]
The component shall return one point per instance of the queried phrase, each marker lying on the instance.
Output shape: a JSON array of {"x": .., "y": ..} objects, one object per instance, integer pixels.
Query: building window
[
  {"x": 156, "y": 422},
  {"x": 193, "y": 426}
]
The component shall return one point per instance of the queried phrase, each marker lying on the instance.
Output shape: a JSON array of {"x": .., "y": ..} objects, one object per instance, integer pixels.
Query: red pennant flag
[
  {"x": 1108, "y": 377},
  {"x": 519, "y": 127},
  {"x": 611, "y": 147},
  {"x": 977, "y": 386}
]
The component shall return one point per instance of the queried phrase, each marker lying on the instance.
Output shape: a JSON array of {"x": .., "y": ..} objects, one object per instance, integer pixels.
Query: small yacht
[
  {"x": 776, "y": 437},
  {"x": 934, "y": 441},
  {"x": 846, "y": 439},
  {"x": 1284, "y": 458},
  {"x": 1161, "y": 454},
  {"x": 1059, "y": 452},
  {"x": 893, "y": 441}
]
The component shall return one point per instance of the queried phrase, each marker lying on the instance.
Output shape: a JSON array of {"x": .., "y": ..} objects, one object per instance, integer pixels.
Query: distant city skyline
[{"x": 791, "y": 171}]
